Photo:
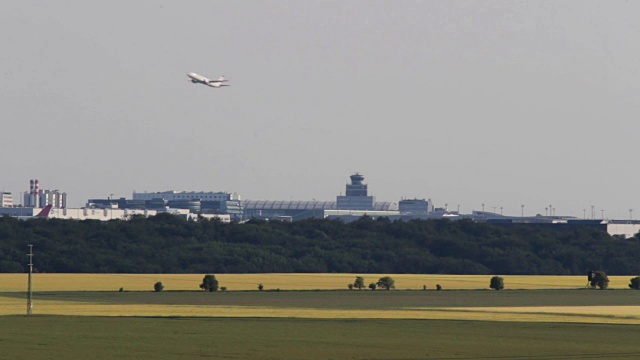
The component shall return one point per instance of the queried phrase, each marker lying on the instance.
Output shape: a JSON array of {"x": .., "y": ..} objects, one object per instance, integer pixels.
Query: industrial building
[
  {"x": 106, "y": 214},
  {"x": 202, "y": 203},
  {"x": 6, "y": 199},
  {"x": 38, "y": 198},
  {"x": 186, "y": 195}
]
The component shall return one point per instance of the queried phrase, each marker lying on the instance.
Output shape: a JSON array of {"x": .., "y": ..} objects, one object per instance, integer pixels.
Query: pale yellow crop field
[
  {"x": 141, "y": 282},
  {"x": 574, "y": 314},
  {"x": 144, "y": 282}
]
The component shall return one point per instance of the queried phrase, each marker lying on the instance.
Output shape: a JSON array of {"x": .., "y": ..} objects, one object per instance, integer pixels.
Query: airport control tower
[{"x": 356, "y": 197}]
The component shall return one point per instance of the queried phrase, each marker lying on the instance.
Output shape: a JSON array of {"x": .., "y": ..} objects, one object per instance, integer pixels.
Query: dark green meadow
[
  {"x": 68, "y": 337},
  {"x": 72, "y": 337},
  {"x": 355, "y": 299}
]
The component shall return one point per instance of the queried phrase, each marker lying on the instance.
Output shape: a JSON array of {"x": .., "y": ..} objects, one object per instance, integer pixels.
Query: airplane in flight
[
  {"x": 43, "y": 214},
  {"x": 199, "y": 79}
]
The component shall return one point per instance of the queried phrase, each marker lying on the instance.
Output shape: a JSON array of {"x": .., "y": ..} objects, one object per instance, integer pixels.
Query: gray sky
[{"x": 464, "y": 102}]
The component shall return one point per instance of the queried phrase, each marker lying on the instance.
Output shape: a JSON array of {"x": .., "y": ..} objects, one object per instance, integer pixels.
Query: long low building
[
  {"x": 621, "y": 228},
  {"x": 297, "y": 210},
  {"x": 105, "y": 214}
]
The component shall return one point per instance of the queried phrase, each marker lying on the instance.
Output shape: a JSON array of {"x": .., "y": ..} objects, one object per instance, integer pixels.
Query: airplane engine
[{"x": 193, "y": 81}]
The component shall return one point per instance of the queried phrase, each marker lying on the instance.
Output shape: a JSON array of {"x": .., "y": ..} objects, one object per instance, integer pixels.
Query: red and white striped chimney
[{"x": 37, "y": 193}]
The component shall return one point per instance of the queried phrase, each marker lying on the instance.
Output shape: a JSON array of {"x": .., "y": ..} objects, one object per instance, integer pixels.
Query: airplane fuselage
[{"x": 199, "y": 79}]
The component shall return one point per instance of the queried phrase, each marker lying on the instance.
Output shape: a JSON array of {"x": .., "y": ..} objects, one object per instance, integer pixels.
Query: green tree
[
  {"x": 209, "y": 283},
  {"x": 359, "y": 283},
  {"x": 386, "y": 282},
  {"x": 599, "y": 280},
  {"x": 158, "y": 286},
  {"x": 497, "y": 283},
  {"x": 372, "y": 286},
  {"x": 634, "y": 283}
]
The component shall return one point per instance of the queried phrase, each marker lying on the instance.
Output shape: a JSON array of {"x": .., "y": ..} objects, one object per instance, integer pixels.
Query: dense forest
[{"x": 168, "y": 244}]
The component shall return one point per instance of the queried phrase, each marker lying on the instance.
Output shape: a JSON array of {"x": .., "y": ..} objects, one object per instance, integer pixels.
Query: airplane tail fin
[{"x": 44, "y": 212}]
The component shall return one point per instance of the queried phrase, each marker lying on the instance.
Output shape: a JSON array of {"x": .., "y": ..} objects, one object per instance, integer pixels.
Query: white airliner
[{"x": 199, "y": 79}]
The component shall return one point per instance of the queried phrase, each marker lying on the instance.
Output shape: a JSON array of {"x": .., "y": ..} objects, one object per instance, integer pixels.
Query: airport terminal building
[{"x": 356, "y": 198}]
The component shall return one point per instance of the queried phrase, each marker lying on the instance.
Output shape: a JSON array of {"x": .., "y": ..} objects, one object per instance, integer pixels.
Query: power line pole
[{"x": 29, "y": 293}]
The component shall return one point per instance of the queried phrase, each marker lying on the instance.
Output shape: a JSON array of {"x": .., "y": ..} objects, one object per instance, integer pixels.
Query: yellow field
[
  {"x": 574, "y": 314},
  {"x": 138, "y": 282},
  {"x": 144, "y": 282}
]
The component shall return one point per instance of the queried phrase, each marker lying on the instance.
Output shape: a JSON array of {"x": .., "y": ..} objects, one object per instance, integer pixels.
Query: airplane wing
[{"x": 220, "y": 79}]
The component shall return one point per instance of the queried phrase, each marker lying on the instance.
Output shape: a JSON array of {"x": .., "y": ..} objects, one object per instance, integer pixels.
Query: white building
[
  {"x": 186, "y": 195},
  {"x": 55, "y": 198},
  {"x": 415, "y": 206},
  {"x": 38, "y": 198},
  {"x": 6, "y": 199}
]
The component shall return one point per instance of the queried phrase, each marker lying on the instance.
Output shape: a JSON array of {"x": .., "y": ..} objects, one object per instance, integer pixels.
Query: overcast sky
[{"x": 465, "y": 102}]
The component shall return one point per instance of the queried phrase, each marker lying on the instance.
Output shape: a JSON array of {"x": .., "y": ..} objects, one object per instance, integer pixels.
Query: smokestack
[
  {"x": 29, "y": 199},
  {"x": 37, "y": 190}
]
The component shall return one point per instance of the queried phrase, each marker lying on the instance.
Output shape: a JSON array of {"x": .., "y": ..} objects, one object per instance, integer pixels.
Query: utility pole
[{"x": 29, "y": 293}]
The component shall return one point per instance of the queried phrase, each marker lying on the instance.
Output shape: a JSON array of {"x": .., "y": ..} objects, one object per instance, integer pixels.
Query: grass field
[
  {"x": 314, "y": 316},
  {"x": 52, "y": 337},
  {"x": 138, "y": 282}
]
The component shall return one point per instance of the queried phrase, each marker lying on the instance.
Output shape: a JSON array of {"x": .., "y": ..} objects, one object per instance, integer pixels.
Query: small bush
[
  {"x": 438, "y": 287},
  {"x": 260, "y": 287},
  {"x": 372, "y": 286},
  {"x": 424, "y": 287},
  {"x": 158, "y": 286},
  {"x": 223, "y": 288},
  {"x": 634, "y": 283},
  {"x": 599, "y": 280},
  {"x": 497, "y": 283},
  {"x": 350, "y": 286},
  {"x": 121, "y": 290}
]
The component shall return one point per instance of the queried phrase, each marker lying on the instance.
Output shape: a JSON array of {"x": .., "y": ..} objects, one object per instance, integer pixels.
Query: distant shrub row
[{"x": 599, "y": 280}]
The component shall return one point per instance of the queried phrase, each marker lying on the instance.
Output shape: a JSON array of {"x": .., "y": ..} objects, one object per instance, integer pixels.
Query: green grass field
[
  {"x": 467, "y": 323},
  {"x": 55, "y": 337}
]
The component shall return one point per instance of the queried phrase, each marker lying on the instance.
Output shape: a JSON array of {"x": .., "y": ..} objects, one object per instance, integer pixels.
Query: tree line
[{"x": 169, "y": 244}]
